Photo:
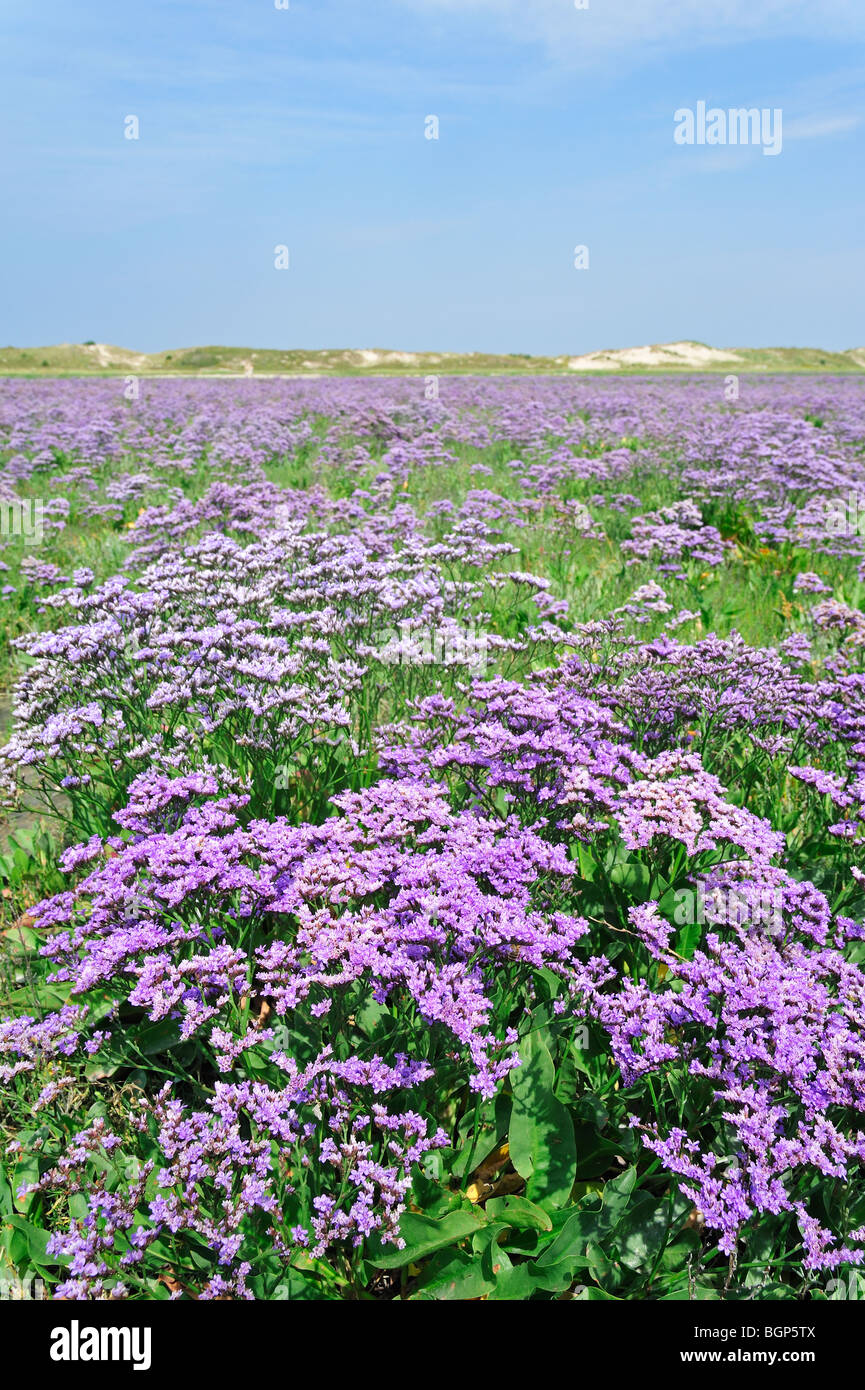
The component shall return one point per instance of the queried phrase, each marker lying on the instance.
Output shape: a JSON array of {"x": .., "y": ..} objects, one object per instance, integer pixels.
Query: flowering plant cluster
[{"x": 345, "y": 965}]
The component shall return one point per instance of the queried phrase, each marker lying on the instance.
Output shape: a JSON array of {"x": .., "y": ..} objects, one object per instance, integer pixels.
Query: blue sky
[{"x": 305, "y": 127}]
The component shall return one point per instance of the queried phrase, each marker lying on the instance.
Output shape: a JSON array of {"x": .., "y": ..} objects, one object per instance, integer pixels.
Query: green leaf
[
  {"x": 26, "y": 1172},
  {"x": 687, "y": 938},
  {"x": 15, "y": 1244},
  {"x": 158, "y": 1037},
  {"x": 593, "y": 1152},
  {"x": 35, "y": 1240},
  {"x": 370, "y": 1015},
  {"x": 434, "y": 1199},
  {"x": 541, "y": 1132},
  {"x": 518, "y": 1213},
  {"x": 79, "y": 1206},
  {"x": 634, "y": 877},
  {"x": 617, "y": 1195},
  {"x": 703, "y": 1293},
  {"x": 494, "y": 1261},
  {"x": 676, "y": 1255},
  {"x": 642, "y": 1232},
  {"x": 515, "y": 1283},
  {"x": 455, "y": 1276},
  {"x": 571, "y": 1243},
  {"x": 592, "y": 1109},
  {"x": 588, "y": 864},
  {"x": 601, "y": 1266},
  {"x": 298, "y": 1288},
  {"x": 423, "y": 1236},
  {"x": 568, "y": 1080}
]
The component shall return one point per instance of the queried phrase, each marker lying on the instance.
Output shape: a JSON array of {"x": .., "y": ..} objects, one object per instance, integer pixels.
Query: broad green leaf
[
  {"x": 26, "y": 1172},
  {"x": 541, "y": 1133},
  {"x": 35, "y": 1240},
  {"x": 601, "y": 1267},
  {"x": 594, "y": 1153},
  {"x": 515, "y": 1283},
  {"x": 423, "y": 1236},
  {"x": 432, "y": 1198},
  {"x": 573, "y": 1240},
  {"x": 455, "y": 1276},
  {"x": 298, "y": 1288},
  {"x": 642, "y": 1232},
  {"x": 158, "y": 1037},
  {"x": 518, "y": 1213},
  {"x": 617, "y": 1195}
]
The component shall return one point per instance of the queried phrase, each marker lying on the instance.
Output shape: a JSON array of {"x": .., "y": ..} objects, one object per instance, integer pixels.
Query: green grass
[{"x": 77, "y": 359}]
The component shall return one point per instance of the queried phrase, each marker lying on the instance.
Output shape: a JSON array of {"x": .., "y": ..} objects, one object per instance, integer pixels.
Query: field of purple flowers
[{"x": 432, "y": 865}]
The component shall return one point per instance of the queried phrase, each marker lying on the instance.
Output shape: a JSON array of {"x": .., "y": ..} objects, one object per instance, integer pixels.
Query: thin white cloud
[
  {"x": 818, "y": 127},
  {"x": 575, "y": 36}
]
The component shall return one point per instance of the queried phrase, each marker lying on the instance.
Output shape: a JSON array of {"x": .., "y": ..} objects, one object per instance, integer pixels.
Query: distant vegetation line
[{"x": 104, "y": 359}]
